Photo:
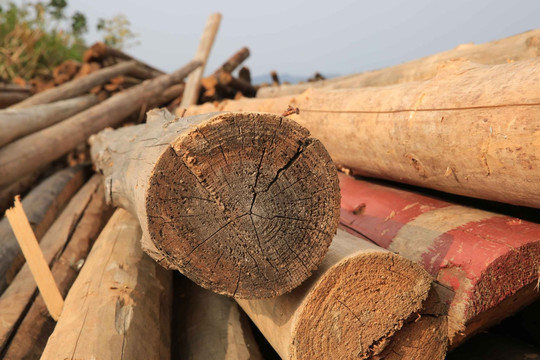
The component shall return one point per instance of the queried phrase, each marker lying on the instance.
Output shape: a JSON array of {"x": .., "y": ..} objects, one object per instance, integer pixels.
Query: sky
[{"x": 335, "y": 37}]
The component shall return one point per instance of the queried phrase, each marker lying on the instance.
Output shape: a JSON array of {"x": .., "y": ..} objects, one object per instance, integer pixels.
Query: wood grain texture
[
  {"x": 119, "y": 306},
  {"x": 490, "y": 261},
  {"x": 243, "y": 204},
  {"x": 472, "y": 130}
]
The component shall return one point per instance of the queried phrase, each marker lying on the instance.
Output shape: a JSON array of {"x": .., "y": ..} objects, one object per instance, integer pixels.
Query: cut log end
[
  {"x": 362, "y": 302},
  {"x": 245, "y": 194}
]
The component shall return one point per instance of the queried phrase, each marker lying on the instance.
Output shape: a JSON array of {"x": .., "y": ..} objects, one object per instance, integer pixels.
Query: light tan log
[
  {"x": 210, "y": 326},
  {"x": 34, "y": 259},
  {"x": 350, "y": 308},
  {"x": 42, "y": 205},
  {"x": 120, "y": 304},
  {"x": 18, "y": 295},
  {"x": 193, "y": 82},
  {"x": 78, "y": 86},
  {"x": 243, "y": 204},
  {"x": 472, "y": 130},
  {"x": 15, "y": 123},
  {"x": 514, "y": 48},
  {"x": 36, "y": 327},
  {"x": 21, "y": 157}
]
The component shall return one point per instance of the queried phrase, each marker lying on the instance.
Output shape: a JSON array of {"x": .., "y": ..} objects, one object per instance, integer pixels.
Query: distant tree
[{"x": 116, "y": 32}]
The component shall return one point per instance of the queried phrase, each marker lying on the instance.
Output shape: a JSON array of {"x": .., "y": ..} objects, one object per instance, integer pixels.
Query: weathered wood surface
[
  {"x": 518, "y": 47},
  {"x": 33, "y": 332},
  {"x": 15, "y": 300},
  {"x": 490, "y": 261},
  {"x": 19, "y": 187},
  {"x": 119, "y": 307},
  {"x": 210, "y": 326},
  {"x": 76, "y": 87},
  {"x": 15, "y": 123},
  {"x": 472, "y": 130},
  {"x": 351, "y": 307},
  {"x": 21, "y": 157},
  {"x": 243, "y": 204},
  {"x": 42, "y": 205}
]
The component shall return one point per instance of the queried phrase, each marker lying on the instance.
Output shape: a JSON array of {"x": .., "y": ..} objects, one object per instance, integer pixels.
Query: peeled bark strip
[
  {"x": 490, "y": 261},
  {"x": 350, "y": 308},
  {"x": 15, "y": 300},
  {"x": 210, "y": 326},
  {"x": 243, "y": 204},
  {"x": 21, "y": 157},
  {"x": 76, "y": 87},
  {"x": 518, "y": 47},
  {"x": 16, "y": 123},
  {"x": 472, "y": 130},
  {"x": 41, "y": 205},
  {"x": 119, "y": 306}
]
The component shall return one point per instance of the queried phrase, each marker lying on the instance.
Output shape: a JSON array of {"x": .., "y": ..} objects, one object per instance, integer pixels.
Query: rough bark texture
[
  {"x": 15, "y": 300},
  {"x": 21, "y": 157},
  {"x": 210, "y": 326},
  {"x": 350, "y": 308},
  {"x": 490, "y": 261},
  {"x": 76, "y": 87},
  {"x": 41, "y": 205},
  {"x": 119, "y": 306},
  {"x": 16, "y": 123},
  {"x": 518, "y": 47},
  {"x": 37, "y": 325},
  {"x": 243, "y": 204},
  {"x": 472, "y": 130}
]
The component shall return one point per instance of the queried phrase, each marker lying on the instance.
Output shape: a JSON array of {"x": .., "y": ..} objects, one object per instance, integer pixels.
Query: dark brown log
[
  {"x": 16, "y": 123},
  {"x": 19, "y": 187},
  {"x": 243, "y": 204},
  {"x": 234, "y": 61},
  {"x": 21, "y": 157},
  {"x": 41, "y": 205},
  {"x": 8, "y": 98},
  {"x": 17, "y": 297},
  {"x": 227, "y": 80},
  {"x": 34, "y": 331},
  {"x": 245, "y": 74},
  {"x": 119, "y": 307},
  {"x": 78, "y": 86},
  {"x": 210, "y": 326},
  {"x": 275, "y": 78}
]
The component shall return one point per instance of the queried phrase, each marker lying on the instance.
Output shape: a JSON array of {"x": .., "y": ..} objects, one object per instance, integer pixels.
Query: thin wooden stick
[{"x": 35, "y": 259}]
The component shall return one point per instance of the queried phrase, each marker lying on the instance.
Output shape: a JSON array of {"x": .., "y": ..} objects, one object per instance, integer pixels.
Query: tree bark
[
  {"x": 76, "y": 87},
  {"x": 234, "y": 61},
  {"x": 414, "y": 132},
  {"x": 16, "y": 123},
  {"x": 21, "y": 157},
  {"x": 15, "y": 300},
  {"x": 34, "y": 330},
  {"x": 350, "y": 308},
  {"x": 19, "y": 187},
  {"x": 243, "y": 204},
  {"x": 120, "y": 304},
  {"x": 8, "y": 98},
  {"x": 490, "y": 261},
  {"x": 518, "y": 47},
  {"x": 42, "y": 205},
  {"x": 210, "y": 326}
]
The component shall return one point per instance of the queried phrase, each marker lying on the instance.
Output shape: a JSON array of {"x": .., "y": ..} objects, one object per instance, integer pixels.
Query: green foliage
[{"x": 116, "y": 32}]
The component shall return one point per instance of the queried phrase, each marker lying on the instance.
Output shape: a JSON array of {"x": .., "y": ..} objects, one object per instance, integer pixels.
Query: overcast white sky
[{"x": 301, "y": 37}]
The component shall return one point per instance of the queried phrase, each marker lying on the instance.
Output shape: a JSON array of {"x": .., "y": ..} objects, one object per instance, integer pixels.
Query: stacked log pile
[{"x": 238, "y": 224}]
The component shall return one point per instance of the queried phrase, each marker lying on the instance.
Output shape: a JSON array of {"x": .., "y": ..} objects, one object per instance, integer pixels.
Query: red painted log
[{"x": 491, "y": 261}]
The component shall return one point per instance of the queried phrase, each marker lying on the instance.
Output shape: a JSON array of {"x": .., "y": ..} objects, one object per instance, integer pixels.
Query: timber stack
[{"x": 386, "y": 215}]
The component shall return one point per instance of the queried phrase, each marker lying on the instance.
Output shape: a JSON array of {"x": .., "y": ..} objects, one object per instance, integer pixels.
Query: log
[
  {"x": 15, "y": 300},
  {"x": 36, "y": 327},
  {"x": 413, "y": 132},
  {"x": 16, "y": 123},
  {"x": 350, "y": 308},
  {"x": 244, "y": 74},
  {"x": 19, "y": 187},
  {"x": 203, "y": 51},
  {"x": 226, "y": 79},
  {"x": 21, "y": 157},
  {"x": 234, "y": 61},
  {"x": 8, "y": 98},
  {"x": 514, "y": 48},
  {"x": 78, "y": 86},
  {"x": 490, "y": 261},
  {"x": 87, "y": 68},
  {"x": 119, "y": 306},
  {"x": 275, "y": 78},
  {"x": 66, "y": 71},
  {"x": 242, "y": 204},
  {"x": 42, "y": 205},
  {"x": 210, "y": 326}
]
